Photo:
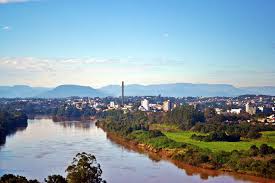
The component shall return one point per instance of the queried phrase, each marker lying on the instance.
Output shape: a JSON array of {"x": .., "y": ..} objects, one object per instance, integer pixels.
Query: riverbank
[
  {"x": 241, "y": 162},
  {"x": 159, "y": 155}
]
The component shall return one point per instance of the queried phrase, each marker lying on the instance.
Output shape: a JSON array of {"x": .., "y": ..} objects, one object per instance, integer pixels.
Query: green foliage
[
  {"x": 219, "y": 158},
  {"x": 157, "y": 140},
  {"x": 124, "y": 124},
  {"x": 217, "y": 136},
  {"x": 155, "y": 133},
  {"x": 68, "y": 111},
  {"x": 245, "y": 144},
  {"x": 265, "y": 149},
  {"x": 71, "y": 112},
  {"x": 10, "y": 121},
  {"x": 185, "y": 116},
  {"x": 84, "y": 168},
  {"x": 88, "y": 111},
  {"x": 193, "y": 156},
  {"x": 212, "y": 117},
  {"x": 164, "y": 142},
  {"x": 9, "y": 178},
  {"x": 227, "y": 150},
  {"x": 55, "y": 179},
  {"x": 245, "y": 130},
  {"x": 254, "y": 150}
]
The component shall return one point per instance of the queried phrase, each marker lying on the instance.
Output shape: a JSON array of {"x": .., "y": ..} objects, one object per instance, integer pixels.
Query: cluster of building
[
  {"x": 259, "y": 107},
  {"x": 165, "y": 106},
  {"x": 82, "y": 103}
]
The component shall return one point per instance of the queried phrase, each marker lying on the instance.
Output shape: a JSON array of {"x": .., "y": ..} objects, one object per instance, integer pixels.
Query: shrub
[
  {"x": 254, "y": 150},
  {"x": 155, "y": 133},
  {"x": 265, "y": 149},
  {"x": 252, "y": 134},
  {"x": 217, "y": 136}
]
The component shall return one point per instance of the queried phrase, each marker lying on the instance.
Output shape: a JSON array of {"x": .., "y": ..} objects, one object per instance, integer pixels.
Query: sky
[{"x": 101, "y": 42}]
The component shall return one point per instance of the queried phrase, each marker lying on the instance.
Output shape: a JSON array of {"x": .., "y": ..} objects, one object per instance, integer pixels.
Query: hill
[
  {"x": 173, "y": 90},
  {"x": 64, "y": 91},
  {"x": 21, "y": 91},
  {"x": 176, "y": 90},
  {"x": 265, "y": 90}
]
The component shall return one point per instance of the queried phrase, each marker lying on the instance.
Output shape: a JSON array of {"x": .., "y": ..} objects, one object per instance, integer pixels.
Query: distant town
[{"x": 254, "y": 108}]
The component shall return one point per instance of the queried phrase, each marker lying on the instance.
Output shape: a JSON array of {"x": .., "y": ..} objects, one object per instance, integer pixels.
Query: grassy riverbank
[
  {"x": 185, "y": 136},
  {"x": 258, "y": 161},
  {"x": 236, "y": 147},
  {"x": 174, "y": 133}
]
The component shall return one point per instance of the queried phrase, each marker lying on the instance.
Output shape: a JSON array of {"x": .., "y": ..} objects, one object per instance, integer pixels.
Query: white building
[
  {"x": 112, "y": 104},
  {"x": 271, "y": 119},
  {"x": 250, "y": 109},
  {"x": 261, "y": 108},
  {"x": 167, "y": 106},
  {"x": 145, "y": 104},
  {"x": 218, "y": 110},
  {"x": 235, "y": 111}
]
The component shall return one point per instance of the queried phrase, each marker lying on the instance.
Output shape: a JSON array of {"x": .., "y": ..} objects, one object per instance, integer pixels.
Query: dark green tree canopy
[
  {"x": 55, "y": 179},
  {"x": 84, "y": 168},
  {"x": 9, "y": 178}
]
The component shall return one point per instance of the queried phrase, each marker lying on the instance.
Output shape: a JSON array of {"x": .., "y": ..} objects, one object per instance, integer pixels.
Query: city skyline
[{"x": 96, "y": 43}]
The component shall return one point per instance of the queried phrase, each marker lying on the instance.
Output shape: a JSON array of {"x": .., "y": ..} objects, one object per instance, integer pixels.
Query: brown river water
[{"x": 46, "y": 147}]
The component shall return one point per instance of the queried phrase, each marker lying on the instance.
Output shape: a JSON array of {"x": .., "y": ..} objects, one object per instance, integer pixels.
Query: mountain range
[{"x": 173, "y": 90}]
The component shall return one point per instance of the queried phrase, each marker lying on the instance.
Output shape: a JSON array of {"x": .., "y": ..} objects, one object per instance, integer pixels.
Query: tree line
[
  {"x": 136, "y": 127},
  {"x": 10, "y": 121}
]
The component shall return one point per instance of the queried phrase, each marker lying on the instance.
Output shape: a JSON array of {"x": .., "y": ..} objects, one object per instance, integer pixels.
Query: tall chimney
[{"x": 122, "y": 93}]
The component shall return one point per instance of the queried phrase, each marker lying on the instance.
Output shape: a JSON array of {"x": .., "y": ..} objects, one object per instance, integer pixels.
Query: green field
[{"x": 185, "y": 136}]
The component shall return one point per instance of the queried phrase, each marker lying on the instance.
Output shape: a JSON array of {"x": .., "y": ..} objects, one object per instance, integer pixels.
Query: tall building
[
  {"x": 122, "y": 93},
  {"x": 167, "y": 106},
  {"x": 250, "y": 109},
  {"x": 145, "y": 104},
  {"x": 112, "y": 104}
]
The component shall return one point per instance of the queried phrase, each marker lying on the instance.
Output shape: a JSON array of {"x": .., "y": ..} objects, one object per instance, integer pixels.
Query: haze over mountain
[
  {"x": 265, "y": 90},
  {"x": 174, "y": 90},
  {"x": 21, "y": 91},
  {"x": 64, "y": 91}
]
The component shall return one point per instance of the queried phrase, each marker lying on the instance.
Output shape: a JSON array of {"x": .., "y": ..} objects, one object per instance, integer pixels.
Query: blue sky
[{"x": 95, "y": 43}]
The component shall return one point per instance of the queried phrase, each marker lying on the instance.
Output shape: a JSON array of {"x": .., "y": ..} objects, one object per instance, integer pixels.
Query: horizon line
[{"x": 133, "y": 84}]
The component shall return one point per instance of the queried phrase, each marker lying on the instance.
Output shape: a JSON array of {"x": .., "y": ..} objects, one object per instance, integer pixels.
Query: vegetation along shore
[{"x": 188, "y": 136}]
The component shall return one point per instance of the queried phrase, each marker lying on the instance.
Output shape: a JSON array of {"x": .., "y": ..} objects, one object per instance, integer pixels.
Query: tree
[
  {"x": 185, "y": 116},
  {"x": 209, "y": 113},
  {"x": 84, "y": 168},
  {"x": 265, "y": 149},
  {"x": 9, "y": 178},
  {"x": 55, "y": 179},
  {"x": 254, "y": 150}
]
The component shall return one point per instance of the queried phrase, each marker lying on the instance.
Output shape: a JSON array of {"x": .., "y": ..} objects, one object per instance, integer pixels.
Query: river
[{"x": 46, "y": 147}]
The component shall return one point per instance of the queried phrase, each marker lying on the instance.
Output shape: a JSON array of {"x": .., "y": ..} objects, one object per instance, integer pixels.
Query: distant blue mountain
[
  {"x": 265, "y": 90},
  {"x": 64, "y": 91},
  {"x": 21, "y": 91},
  {"x": 174, "y": 90}
]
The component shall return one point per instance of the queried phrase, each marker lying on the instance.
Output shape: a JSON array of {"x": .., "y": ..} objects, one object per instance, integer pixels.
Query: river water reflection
[{"x": 47, "y": 147}]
